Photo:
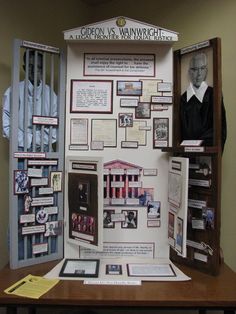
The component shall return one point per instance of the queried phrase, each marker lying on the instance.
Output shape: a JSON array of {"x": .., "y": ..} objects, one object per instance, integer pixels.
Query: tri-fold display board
[{"x": 124, "y": 197}]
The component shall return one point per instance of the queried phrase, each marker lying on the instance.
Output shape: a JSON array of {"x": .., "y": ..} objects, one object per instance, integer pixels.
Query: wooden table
[{"x": 203, "y": 292}]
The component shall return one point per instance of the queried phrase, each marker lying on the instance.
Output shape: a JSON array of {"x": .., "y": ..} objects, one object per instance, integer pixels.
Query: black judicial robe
[{"x": 197, "y": 118}]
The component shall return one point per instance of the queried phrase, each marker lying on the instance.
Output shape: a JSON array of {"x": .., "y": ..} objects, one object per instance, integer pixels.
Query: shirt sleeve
[
  {"x": 54, "y": 114},
  {"x": 6, "y": 113}
]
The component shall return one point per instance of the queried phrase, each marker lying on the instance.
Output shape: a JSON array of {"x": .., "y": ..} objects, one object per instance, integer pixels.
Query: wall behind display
[{"x": 195, "y": 21}]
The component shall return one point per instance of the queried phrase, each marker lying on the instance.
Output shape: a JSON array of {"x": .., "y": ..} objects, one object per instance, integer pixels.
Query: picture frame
[
  {"x": 150, "y": 270},
  {"x": 129, "y": 88},
  {"x": 179, "y": 235},
  {"x": 131, "y": 219},
  {"x": 184, "y": 74},
  {"x": 80, "y": 268},
  {"x": 125, "y": 119},
  {"x": 56, "y": 181},
  {"x": 160, "y": 132},
  {"x": 143, "y": 110},
  {"x": 107, "y": 218},
  {"x": 113, "y": 269},
  {"x": 21, "y": 182},
  {"x": 91, "y": 96}
]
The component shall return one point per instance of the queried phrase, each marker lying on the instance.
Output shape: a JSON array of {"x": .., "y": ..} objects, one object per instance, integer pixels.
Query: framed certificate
[{"x": 80, "y": 268}]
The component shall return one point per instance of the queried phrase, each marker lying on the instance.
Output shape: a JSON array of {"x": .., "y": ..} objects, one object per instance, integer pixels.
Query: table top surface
[{"x": 202, "y": 291}]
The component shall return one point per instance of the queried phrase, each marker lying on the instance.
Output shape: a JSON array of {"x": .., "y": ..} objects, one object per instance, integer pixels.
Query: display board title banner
[{"x": 120, "y": 29}]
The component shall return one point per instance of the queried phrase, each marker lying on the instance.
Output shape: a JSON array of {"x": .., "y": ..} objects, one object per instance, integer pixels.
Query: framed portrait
[
  {"x": 107, "y": 218},
  {"x": 198, "y": 72},
  {"x": 129, "y": 88},
  {"x": 171, "y": 225},
  {"x": 179, "y": 235},
  {"x": 21, "y": 182},
  {"x": 125, "y": 120},
  {"x": 91, "y": 96},
  {"x": 80, "y": 268},
  {"x": 143, "y": 110},
  {"x": 56, "y": 180},
  {"x": 131, "y": 219},
  {"x": 160, "y": 132}
]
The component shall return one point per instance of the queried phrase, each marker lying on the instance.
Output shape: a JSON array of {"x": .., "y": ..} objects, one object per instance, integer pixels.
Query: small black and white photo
[
  {"x": 83, "y": 192},
  {"x": 131, "y": 218},
  {"x": 21, "y": 182},
  {"x": 107, "y": 221},
  {"x": 113, "y": 269},
  {"x": 56, "y": 181},
  {"x": 125, "y": 120},
  {"x": 27, "y": 202},
  {"x": 208, "y": 215},
  {"x": 160, "y": 132},
  {"x": 143, "y": 110}
]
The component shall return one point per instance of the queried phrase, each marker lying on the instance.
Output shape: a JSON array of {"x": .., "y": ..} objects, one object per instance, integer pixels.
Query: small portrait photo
[
  {"x": 27, "y": 202},
  {"x": 130, "y": 219},
  {"x": 125, "y": 120},
  {"x": 21, "y": 182},
  {"x": 209, "y": 217},
  {"x": 129, "y": 88},
  {"x": 171, "y": 224},
  {"x": 107, "y": 221},
  {"x": 143, "y": 110},
  {"x": 56, "y": 180},
  {"x": 204, "y": 165},
  {"x": 113, "y": 269},
  {"x": 153, "y": 209},
  {"x": 53, "y": 228},
  {"x": 83, "y": 192},
  {"x": 179, "y": 235}
]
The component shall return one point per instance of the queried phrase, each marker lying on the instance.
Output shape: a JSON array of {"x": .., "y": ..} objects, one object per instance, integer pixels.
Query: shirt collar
[
  {"x": 31, "y": 89},
  {"x": 198, "y": 92}
]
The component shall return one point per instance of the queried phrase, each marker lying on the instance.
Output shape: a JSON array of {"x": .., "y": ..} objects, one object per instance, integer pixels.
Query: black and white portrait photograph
[
  {"x": 160, "y": 132},
  {"x": 125, "y": 120},
  {"x": 107, "y": 221},
  {"x": 56, "y": 180},
  {"x": 143, "y": 110},
  {"x": 21, "y": 182},
  {"x": 83, "y": 192},
  {"x": 197, "y": 103},
  {"x": 130, "y": 219}
]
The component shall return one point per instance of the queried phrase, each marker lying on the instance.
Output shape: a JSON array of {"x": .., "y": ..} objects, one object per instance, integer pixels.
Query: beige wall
[{"x": 43, "y": 21}]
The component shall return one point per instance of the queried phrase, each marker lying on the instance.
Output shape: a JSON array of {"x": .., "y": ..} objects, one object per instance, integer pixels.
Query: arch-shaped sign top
[{"x": 121, "y": 29}]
